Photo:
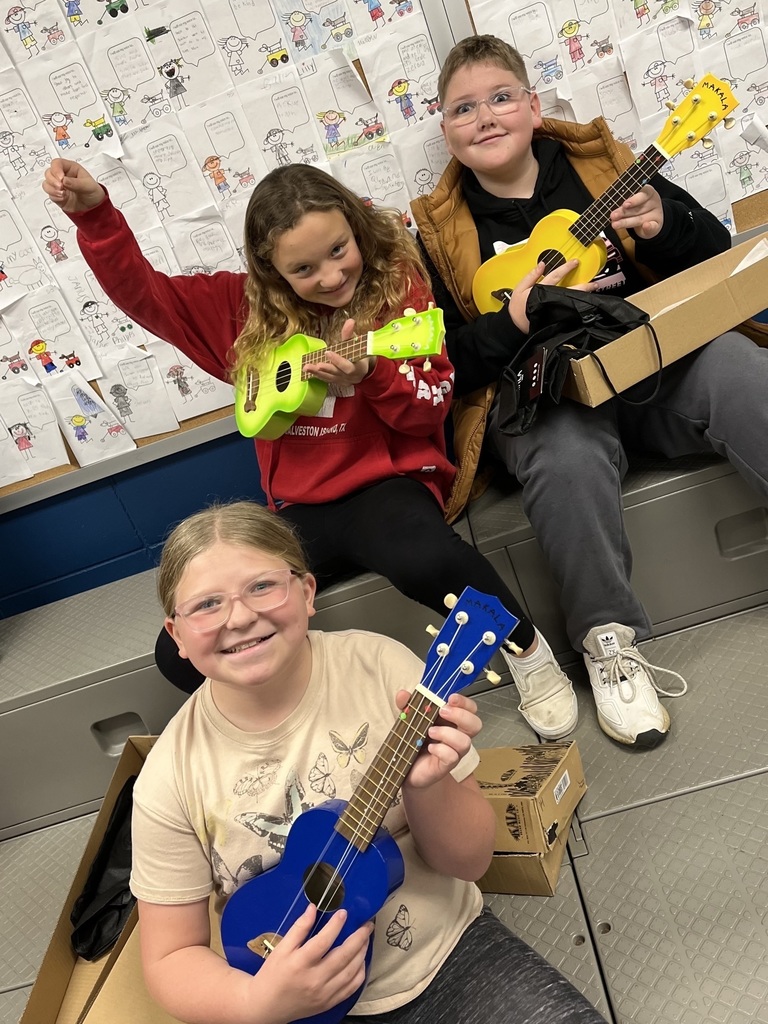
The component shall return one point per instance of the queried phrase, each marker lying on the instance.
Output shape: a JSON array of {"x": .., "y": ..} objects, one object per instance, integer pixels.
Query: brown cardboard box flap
[
  {"x": 687, "y": 311},
  {"x": 526, "y": 874}
]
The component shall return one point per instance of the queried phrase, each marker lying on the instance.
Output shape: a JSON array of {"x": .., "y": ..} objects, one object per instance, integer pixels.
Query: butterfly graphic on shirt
[
  {"x": 344, "y": 751},
  {"x": 399, "y": 930},
  {"x": 259, "y": 781},
  {"x": 274, "y": 828},
  {"x": 228, "y": 881},
  {"x": 320, "y": 779}
]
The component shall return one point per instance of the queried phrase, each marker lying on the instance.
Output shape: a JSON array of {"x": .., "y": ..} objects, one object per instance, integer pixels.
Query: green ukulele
[{"x": 268, "y": 400}]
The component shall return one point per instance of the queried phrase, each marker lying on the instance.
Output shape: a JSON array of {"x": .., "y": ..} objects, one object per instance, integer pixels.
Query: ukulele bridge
[{"x": 264, "y": 944}]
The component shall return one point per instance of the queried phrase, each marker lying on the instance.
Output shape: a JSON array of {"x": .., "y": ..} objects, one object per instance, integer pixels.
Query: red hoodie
[{"x": 391, "y": 424}]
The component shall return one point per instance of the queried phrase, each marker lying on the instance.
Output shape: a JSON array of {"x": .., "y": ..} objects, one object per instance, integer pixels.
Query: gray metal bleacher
[{"x": 661, "y": 913}]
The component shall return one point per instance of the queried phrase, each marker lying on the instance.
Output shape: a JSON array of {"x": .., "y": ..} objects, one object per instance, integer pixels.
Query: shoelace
[{"x": 627, "y": 662}]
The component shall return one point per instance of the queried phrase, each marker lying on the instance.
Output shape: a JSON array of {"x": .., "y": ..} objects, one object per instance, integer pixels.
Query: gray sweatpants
[
  {"x": 572, "y": 461},
  {"x": 492, "y": 977}
]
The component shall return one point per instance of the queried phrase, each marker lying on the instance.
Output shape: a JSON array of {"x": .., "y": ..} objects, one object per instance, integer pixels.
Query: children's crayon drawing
[
  {"x": 89, "y": 426},
  {"x": 26, "y": 409},
  {"x": 133, "y": 388}
]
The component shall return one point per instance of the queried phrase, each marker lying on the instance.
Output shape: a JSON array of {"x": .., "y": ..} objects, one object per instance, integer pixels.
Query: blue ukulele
[{"x": 337, "y": 854}]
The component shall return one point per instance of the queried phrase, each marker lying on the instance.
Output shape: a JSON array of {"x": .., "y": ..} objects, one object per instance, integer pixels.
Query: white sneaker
[
  {"x": 625, "y": 689},
  {"x": 548, "y": 703}
]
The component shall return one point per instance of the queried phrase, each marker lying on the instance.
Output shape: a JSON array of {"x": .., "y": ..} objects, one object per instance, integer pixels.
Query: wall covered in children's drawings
[
  {"x": 627, "y": 60},
  {"x": 179, "y": 108}
]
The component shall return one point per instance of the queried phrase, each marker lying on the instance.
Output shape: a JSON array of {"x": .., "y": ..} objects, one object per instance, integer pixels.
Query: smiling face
[
  {"x": 497, "y": 147},
  {"x": 320, "y": 259},
  {"x": 252, "y": 650}
]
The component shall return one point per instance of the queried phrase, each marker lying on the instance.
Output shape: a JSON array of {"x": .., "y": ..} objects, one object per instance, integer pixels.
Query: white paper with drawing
[
  {"x": 282, "y": 119},
  {"x": 25, "y": 146},
  {"x": 192, "y": 391},
  {"x": 50, "y": 334},
  {"x": 227, "y": 155},
  {"x": 91, "y": 429},
  {"x": 133, "y": 388},
  {"x": 403, "y": 73},
  {"x": 13, "y": 466},
  {"x": 22, "y": 267},
  {"x": 421, "y": 154},
  {"x": 26, "y": 409},
  {"x": 202, "y": 244},
  {"x": 346, "y": 115}
]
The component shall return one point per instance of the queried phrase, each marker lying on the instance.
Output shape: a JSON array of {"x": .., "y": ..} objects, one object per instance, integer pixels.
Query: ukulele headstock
[
  {"x": 476, "y": 626},
  {"x": 709, "y": 102},
  {"x": 409, "y": 337}
]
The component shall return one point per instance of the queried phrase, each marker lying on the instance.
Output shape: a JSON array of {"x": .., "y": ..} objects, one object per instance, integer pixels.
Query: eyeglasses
[
  {"x": 503, "y": 101},
  {"x": 268, "y": 591}
]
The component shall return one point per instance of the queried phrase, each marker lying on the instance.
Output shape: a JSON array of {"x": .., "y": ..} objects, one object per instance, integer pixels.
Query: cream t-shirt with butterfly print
[{"x": 213, "y": 805}]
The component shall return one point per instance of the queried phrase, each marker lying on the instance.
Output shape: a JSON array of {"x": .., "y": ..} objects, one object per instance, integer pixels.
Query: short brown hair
[
  {"x": 481, "y": 50},
  {"x": 245, "y": 523}
]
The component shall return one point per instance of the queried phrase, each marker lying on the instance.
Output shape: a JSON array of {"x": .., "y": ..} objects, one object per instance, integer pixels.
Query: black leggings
[
  {"x": 395, "y": 528},
  {"x": 492, "y": 976}
]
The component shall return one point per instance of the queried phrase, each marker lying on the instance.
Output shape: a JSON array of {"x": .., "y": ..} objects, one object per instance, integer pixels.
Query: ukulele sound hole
[
  {"x": 552, "y": 258},
  {"x": 283, "y": 376},
  {"x": 324, "y": 887}
]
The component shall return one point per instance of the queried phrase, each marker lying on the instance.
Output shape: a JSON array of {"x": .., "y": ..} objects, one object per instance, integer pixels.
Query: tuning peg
[
  {"x": 513, "y": 647},
  {"x": 493, "y": 677},
  {"x": 432, "y": 630},
  {"x": 729, "y": 122},
  {"x": 689, "y": 83},
  {"x": 403, "y": 368},
  {"x": 430, "y": 305},
  {"x": 410, "y": 311},
  {"x": 695, "y": 99},
  {"x": 450, "y": 600},
  {"x": 707, "y": 144},
  {"x": 669, "y": 105},
  {"x": 427, "y": 365}
]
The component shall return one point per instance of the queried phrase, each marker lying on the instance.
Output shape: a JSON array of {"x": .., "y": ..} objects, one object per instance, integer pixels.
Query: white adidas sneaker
[{"x": 626, "y": 688}]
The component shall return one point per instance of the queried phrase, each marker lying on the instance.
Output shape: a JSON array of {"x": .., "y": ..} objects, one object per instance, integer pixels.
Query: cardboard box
[
  {"x": 534, "y": 791},
  {"x": 687, "y": 311},
  {"x": 66, "y": 985},
  {"x": 526, "y": 874}
]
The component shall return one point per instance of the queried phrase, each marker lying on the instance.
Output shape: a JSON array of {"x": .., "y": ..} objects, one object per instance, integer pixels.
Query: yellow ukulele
[
  {"x": 269, "y": 399},
  {"x": 564, "y": 235}
]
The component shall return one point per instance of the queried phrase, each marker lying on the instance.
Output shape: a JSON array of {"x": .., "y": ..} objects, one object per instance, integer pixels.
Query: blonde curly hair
[{"x": 390, "y": 256}]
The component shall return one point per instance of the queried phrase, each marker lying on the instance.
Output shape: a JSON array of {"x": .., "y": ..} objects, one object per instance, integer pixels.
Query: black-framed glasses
[
  {"x": 503, "y": 101},
  {"x": 265, "y": 593}
]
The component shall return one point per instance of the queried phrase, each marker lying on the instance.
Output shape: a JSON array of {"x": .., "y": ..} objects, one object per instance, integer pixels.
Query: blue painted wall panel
[{"x": 114, "y": 528}]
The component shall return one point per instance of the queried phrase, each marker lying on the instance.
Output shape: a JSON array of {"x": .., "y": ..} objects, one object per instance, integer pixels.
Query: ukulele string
[
  {"x": 266, "y": 384},
  {"x": 351, "y": 852},
  {"x": 412, "y": 729}
]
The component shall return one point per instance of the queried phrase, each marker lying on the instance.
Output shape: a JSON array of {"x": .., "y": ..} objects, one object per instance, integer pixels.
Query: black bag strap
[{"x": 657, "y": 373}]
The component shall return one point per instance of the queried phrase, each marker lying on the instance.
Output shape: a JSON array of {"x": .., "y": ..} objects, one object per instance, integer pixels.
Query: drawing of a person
[
  {"x": 706, "y": 10},
  {"x": 375, "y": 10},
  {"x": 331, "y": 121},
  {"x": 16, "y": 20},
  {"x": 73, "y": 12},
  {"x": 22, "y": 435},
  {"x": 12, "y": 153},
  {"x": 642, "y": 10},
  {"x": 116, "y": 99},
  {"x": 742, "y": 163},
  {"x": 157, "y": 194},
  {"x": 233, "y": 46},
  {"x": 569, "y": 33},
  {"x": 212, "y": 167},
  {"x": 274, "y": 141},
  {"x": 399, "y": 94},
  {"x": 177, "y": 375},
  {"x": 123, "y": 402},
  {"x": 53, "y": 243},
  {"x": 59, "y": 122},
  {"x": 91, "y": 311},
  {"x": 425, "y": 179},
  {"x": 4, "y": 276},
  {"x": 78, "y": 423},
  {"x": 39, "y": 349},
  {"x": 657, "y": 80},
  {"x": 297, "y": 22},
  {"x": 174, "y": 81}
]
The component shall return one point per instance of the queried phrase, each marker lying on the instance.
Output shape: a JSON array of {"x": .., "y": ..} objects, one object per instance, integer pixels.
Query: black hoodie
[{"x": 481, "y": 349}]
